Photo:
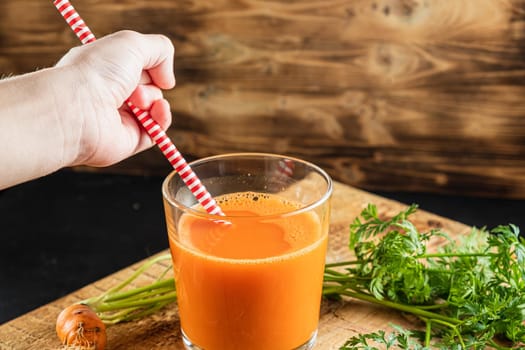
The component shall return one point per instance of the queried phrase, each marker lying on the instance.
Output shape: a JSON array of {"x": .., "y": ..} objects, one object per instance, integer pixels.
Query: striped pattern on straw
[{"x": 158, "y": 135}]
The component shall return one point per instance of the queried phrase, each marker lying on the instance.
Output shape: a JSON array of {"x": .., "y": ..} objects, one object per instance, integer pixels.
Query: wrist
[
  {"x": 34, "y": 127},
  {"x": 71, "y": 107}
]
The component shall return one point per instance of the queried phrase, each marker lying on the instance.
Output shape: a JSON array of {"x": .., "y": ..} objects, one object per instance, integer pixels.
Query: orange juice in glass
[{"x": 251, "y": 279}]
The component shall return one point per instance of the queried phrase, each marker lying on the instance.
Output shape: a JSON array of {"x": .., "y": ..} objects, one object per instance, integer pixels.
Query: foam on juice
[{"x": 259, "y": 228}]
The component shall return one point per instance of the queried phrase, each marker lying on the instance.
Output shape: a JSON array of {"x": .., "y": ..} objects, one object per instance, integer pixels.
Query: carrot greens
[{"x": 468, "y": 295}]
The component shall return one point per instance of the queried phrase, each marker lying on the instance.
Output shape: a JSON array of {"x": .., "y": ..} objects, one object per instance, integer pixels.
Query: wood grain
[
  {"x": 415, "y": 95},
  {"x": 338, "y": 322}
]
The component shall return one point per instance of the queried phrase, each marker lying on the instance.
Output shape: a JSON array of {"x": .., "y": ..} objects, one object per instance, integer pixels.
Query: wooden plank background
[{"x": 415, "y": 95}]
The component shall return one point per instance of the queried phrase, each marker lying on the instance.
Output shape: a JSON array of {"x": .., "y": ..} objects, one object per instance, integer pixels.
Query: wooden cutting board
[{"x": 339, "y": 320}]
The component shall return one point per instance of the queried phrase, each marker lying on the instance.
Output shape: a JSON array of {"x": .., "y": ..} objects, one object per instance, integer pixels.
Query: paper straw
[{"x": 152, "y": 127}]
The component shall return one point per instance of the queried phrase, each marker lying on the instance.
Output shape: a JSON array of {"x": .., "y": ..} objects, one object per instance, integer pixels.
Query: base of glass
[{"x": 188, "y": 345}]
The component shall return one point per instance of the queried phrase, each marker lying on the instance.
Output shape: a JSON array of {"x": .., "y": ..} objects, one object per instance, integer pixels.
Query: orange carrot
[{"x": 79, "y": 327}]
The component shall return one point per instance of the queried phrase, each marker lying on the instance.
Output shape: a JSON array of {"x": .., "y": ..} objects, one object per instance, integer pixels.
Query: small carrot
[
  {"x": 82, "y": 326},
  {"x": 79, "y": 327}
]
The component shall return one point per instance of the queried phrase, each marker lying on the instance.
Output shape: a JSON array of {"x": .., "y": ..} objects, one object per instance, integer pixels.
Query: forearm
[{"x": 34, "y": 139}]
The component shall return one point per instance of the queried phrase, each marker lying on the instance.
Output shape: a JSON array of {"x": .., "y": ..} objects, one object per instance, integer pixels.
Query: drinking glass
[{"x": 251, "y": 279}]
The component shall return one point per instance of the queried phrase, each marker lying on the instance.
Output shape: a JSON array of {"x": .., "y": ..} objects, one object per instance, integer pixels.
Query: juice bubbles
[{"x": 252, "y": 279}]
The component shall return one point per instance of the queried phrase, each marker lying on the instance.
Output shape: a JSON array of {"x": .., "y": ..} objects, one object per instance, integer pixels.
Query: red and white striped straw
[{"x": 152, "y": 127}]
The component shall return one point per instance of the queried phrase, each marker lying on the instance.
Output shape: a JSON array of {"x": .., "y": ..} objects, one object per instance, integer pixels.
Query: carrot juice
[{"x": 251, "y": 283}]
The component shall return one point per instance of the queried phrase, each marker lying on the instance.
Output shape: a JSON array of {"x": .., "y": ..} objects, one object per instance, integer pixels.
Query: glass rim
[{"x": 304, "y": 208}]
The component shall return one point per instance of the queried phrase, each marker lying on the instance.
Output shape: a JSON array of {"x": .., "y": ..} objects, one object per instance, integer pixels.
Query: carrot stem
[
  {"x": 132, "y": 303},
  {"x": 115, "y": 305},
  {"x": 154, "y": 287}
]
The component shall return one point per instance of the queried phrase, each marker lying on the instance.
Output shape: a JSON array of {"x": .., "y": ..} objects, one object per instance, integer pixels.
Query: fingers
[
  {"x": 161, "y": 69},
  {"x": 138, "y": 138},
  {"x": 156, "y": 52},
  {"x": 145, "y": 79},
  {"x": 144, "y": 96},
  {"x": 149, "y": 98},
  {"x": 161, "y": 112}
]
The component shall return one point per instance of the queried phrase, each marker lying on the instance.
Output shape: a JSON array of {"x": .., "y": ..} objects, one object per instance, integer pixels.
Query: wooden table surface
[{"x": 338, "y": 322}]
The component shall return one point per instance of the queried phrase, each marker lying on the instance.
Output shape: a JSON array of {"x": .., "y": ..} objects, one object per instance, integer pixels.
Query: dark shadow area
[
  {"x": 66, "y": 230},
  {"x": 478, "y": 212}
]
